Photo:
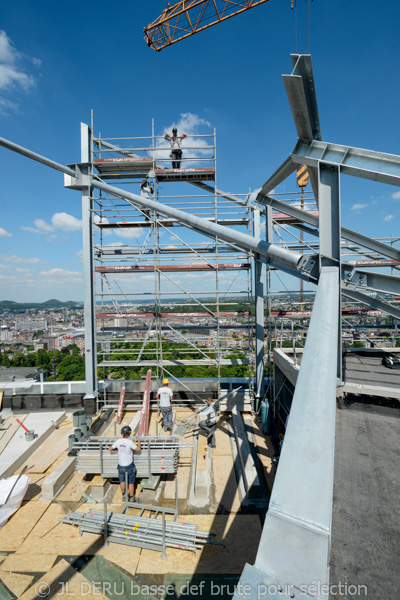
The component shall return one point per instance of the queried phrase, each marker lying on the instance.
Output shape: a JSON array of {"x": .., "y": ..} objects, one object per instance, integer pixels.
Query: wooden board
[
  {"x": 14, "y": 426},
  {"x": 55, "y": 582},
  {"x": 56, "y": 444},
  {"x": 124, "y": 557},
  {"x": 226, "y": 491},
  {"x": 20, "y": 524},
  {"x": 28, "y": 563},
  {"x": 16, "y": 582},
  {"x": 222, "y": 438},
  {"x": 73, "y": 490},
  {"x": 265, "y": 451},
  {"x": 232, "y": 530}
]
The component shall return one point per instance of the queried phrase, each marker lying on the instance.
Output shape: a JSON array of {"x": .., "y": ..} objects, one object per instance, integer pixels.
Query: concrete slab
[
  {"x": 54, "y": 482},
  {"x": 18, "y": 450}
]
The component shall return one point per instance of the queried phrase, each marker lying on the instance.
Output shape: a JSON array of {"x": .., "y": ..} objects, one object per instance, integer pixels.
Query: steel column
[
  {"x": 259, "y": 273},
  {"x": 88, "y": 271},
  {"x": 300, "y": 510},
  {"x": 329, "y": 233}
]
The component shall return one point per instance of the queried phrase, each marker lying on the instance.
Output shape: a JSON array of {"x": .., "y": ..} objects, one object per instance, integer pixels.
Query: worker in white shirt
[
  {"x": 208, "y": 425},
  {"x": 126, "y": 448},
  {"x": 176, "y": 152},
  {"x": 145, "y": 191},
  {"x": 165, "y": 395}
]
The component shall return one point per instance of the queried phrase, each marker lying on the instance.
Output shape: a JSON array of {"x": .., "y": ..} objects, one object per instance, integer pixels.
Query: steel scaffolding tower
[{"x": 208, "y": 334}]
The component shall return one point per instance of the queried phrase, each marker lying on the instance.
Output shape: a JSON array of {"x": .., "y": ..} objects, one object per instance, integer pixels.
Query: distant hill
[{"x": 53, "y": 303}]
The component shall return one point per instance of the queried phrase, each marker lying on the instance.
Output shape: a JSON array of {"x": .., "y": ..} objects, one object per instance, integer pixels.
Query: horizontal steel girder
[
  {"x": 372, "y": 302},
  {"x": 355, "y": 279},
  {"x": 300, "y": 90},
  {"x": 347, "y": 234},
  {"x": 367, "y": 164},
  {"x": 280, "y": 257}
]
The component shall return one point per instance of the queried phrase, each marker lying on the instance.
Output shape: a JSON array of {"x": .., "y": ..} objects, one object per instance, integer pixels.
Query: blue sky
[{"x": 58, "y": 61}]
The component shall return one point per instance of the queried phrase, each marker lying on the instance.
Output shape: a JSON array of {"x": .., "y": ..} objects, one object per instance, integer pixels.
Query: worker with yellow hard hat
[{"x": 165, "y": 395}]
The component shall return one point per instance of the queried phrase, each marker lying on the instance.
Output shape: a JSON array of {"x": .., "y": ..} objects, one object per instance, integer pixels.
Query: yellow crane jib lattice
[{"x": 188, "y": 17}]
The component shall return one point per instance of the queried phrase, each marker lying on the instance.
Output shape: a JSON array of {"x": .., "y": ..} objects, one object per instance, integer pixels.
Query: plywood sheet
[
  {"x": 125, "y": 557},
  {"x": 16, "y": 582},
  {"x": 225, "y": 485},
  {"x": 56, "y": 580},
  {"x": 222, "y": 438},
  {"x": 232, "y": 530},
  {"x": 55, "y": 445},
  {"x": 73, "y": 490},
  {"x": 20, "y": 524},
  {"x": 265, "y": 451},
  {"x": 28, "y": 563}
]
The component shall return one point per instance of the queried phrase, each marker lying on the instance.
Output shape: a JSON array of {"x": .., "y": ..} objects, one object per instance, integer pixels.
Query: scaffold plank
[{"x": 172, "y": 268}]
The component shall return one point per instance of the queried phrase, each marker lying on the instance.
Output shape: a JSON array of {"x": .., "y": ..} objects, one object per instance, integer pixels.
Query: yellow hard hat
[{"x": 165, "y": 381}]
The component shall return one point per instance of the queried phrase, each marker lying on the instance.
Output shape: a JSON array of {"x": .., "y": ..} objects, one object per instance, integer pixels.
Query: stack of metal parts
[
  {"x": 158, "y": 455},
  {"x": 142, "y": 532}
]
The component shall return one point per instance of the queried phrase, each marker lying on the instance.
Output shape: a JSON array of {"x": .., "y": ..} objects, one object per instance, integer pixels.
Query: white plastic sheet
[{"x": 14, "y": 501}]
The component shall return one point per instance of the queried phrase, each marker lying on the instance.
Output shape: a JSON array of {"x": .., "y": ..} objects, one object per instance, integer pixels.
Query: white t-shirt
[
  {"x": 211, "y": 413},
  {"x": 125, "y": 448},
  {"x": 165, "y": 394},
  {"x": 145, "y": 191}
]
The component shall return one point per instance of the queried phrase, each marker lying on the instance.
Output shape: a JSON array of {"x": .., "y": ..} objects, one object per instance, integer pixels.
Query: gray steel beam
[
  {"x": 35, "y": 156},
  {"x": 280, "y": 257},
  {"x": 329, "y": 233},
  {"x": 259, "y": 275},
  {"x": 367, "y": 164},
  {"x": 282, "y": 173},
  {"x": 88, "y": 273},
  {"x": 347, "y": 234},
  {"x": 211, "y": 190},
  {"x": 295, "y": 544},
  {"x": 357, "y": 279},
  {"x": 372, "y": 302},
  {"x": 300, "y": 89}
]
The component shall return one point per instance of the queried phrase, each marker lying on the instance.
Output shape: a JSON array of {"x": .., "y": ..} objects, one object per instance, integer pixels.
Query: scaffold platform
[
  {"x": 138, "y": 167},
  {"x": 174, "y": 363},
  {"x": 171, "y": 268},
  {"x": 166, "y": 223}
]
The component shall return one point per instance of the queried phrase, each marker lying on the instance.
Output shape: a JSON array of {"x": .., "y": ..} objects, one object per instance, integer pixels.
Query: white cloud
[
  {"x": 388, "y": 217},
  {"x": 193, "y": 147},
  {"x": 4, "y": 233},
  {"x": 18, "y": 270},
  {"x": 129, "y": 233},
  {"x": 43, "y": 226},
  {"x": 19, "y": 259},
  {"x": 396, "y": 196},
  {"x": 5, "y": 267},
  {"x": 97, "y": 219},
  {"x": 66, "y": 222},
  {"x": 62, "y": 221},
  {"x": 358, "y": 206},
  {"x": 57, "y": 272},
  {"x": 14, "y": 72}
]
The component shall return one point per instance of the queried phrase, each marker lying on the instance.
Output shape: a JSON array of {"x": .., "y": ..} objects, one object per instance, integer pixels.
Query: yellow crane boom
[{"x": 188, "y": 17}]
